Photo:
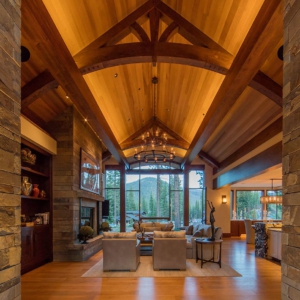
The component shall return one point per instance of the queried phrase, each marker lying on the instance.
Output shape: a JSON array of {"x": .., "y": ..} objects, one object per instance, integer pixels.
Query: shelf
[
  {"x": 33, "y": 171},
  {"x": 34, "y": 198}
]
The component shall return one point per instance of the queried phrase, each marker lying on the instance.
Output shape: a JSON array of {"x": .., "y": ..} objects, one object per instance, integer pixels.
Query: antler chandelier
[{"x": 154, "y": 148}]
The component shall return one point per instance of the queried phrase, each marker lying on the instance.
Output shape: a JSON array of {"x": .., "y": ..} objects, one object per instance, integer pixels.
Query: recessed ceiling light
[
  {"x": 85, "y": 120},
  {"x": 67, "y": 96},
  {"x": 116, "y": 75}
]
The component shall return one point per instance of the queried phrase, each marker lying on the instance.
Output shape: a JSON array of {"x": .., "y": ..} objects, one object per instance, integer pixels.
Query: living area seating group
[{"x": 170, "y": 249}]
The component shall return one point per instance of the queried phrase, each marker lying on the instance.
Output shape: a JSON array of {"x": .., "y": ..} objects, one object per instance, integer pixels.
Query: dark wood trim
[
  {"x": 154, "y": 16},
  {"x": 157, "y": 171},
  {"x": 169, "y": 32},
  {"x": 58, "y": 60},
  {"x": 226, "y": 235},
  {"x": 122, "y": 200},
  {"x": 259, "y": 164},
  {"x": 105, "y": 156},
  {"x": 119, "y": 27},
  {"x": 266, "y": 86},
  {"x": 138, "y": 142},
  {"x": 139, "y": 32},
  {"x": 139, "y": 132},
  {"x": 211, "y": 161},
  {"x": 259, "y": 43},
  {"x": 170, "y": 132},
  {"x": 38, "y": 86},
  {"x": 101, "y": 58},
  {"x": 262, "y": 137},
  {"x": 188, "y": 30}
]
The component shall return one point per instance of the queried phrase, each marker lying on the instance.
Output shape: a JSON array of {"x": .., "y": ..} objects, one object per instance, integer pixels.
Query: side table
[{"x": 213, "y": 244}]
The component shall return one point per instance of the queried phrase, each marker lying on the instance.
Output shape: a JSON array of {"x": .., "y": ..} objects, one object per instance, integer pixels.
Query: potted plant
[
  {"x": 85, "y": 233},
  {"x": 104, "y": 226}
]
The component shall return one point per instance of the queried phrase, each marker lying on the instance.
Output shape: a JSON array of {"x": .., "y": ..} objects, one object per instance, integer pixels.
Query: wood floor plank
[{"x": 261, "y": 279}]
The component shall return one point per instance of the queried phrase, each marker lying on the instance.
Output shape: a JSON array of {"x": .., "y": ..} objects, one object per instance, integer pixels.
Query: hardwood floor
[{"x": 261, "y": 279}]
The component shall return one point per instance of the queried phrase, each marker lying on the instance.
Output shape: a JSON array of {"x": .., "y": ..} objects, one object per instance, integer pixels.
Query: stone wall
[
  {"x": 10, "y": 201},
  {"x": 291, "y": 152},
  {"x": 72, "y": 133}
]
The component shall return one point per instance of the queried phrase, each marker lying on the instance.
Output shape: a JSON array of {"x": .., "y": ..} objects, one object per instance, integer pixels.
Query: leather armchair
[
  {"x": 120, "y": 251},
  {"x": 169, "y": 252}
]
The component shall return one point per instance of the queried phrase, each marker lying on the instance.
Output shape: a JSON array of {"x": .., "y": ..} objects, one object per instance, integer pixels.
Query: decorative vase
[
  {"x": 26, "y": 186},
  {"x": 35, "y": 190}
]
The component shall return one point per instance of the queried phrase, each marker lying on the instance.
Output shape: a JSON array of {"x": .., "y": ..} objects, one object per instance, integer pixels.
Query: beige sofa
[
  {"x": 169, "y": 250},
  {"x": 201, "y": 231},
  {"x": 121, "y": 251},
  {"x": 153, "y": 226}
]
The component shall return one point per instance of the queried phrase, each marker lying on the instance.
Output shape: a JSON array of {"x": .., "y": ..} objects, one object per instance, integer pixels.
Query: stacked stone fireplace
[{"x": 72, "y": 134}]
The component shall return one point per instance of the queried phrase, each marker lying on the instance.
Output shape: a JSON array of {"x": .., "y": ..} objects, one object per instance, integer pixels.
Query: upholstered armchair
[
  {"x": 169, "y": 250},
  {"x": 121, "y": 251}
]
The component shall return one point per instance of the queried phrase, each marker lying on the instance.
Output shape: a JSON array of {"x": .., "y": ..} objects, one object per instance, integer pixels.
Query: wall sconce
[{"x": 224, "y": 199}]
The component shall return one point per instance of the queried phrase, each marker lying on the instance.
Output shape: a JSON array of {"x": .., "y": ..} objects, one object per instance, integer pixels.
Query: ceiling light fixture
[
  {"x": 271, "y": 199},
  {"x": 154, "y": 144},
  {"x": 154, "y": 148}
]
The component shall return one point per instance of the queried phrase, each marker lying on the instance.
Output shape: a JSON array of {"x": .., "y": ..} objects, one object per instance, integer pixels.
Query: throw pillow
[
  {"x": 199, "y": 233},
  {"x": 168, "y": 227},
  {"x": 150, "y": 229},
  {"x": 169, "y": 234},
  {"x": 117, "y": 235},
  {"x": 189, "y": 230}
]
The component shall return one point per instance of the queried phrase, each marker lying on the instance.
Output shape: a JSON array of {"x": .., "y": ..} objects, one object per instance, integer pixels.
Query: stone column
[
  {"x": 10, "y": 202},
  {"x": 291, "y": 152}
]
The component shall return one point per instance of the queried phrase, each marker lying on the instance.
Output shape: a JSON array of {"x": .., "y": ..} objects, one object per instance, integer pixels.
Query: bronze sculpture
[{"x": 212, "y": 221}]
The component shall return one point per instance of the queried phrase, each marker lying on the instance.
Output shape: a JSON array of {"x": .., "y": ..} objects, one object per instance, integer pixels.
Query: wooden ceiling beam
[
  {"x": 262, "y": 137},
  {"x": 139, "y": 32},
  {"x": 56, "y": 57},
  {"x": 138, "y": 142},
  {"x": 263, "y": 162},
  {"x": 106, "y": 156},
  {"x": 211, "y": 161},
  {"x": 266, "y": 86},
  {"x": 101, "y": 58},
  {"x": 260, "y": 41},
  {"x": 169, "y": 32},
  {"x": 154, "y": 16},
  {"x": 139, "y": 132},
  {"x": 188, "y": 30},
  {"x": 119, "y": 27},
  {"x": 170, "y": 132},
  {"x": 37, "y": 87}
]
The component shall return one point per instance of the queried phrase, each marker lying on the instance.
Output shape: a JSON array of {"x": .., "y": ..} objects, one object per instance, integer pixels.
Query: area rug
[{"x": 145, "y": 269}]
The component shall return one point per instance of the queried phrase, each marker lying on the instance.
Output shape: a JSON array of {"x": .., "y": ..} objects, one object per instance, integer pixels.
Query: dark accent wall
[
  {"x": 291, "y": 153},
  {"x": 10, "y": 139},
  {"x": 72, "y": 133}
]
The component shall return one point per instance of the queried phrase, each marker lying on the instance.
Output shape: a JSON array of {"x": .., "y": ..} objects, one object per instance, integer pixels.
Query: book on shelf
[{"x": 45, "y": 217}]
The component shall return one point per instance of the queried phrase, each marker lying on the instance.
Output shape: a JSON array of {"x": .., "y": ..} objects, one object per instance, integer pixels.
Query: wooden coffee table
[{"x": 146, "y": 243}]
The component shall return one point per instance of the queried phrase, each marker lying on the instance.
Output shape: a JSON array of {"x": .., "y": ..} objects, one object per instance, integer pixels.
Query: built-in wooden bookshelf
[{"x": 36, "y": 239}]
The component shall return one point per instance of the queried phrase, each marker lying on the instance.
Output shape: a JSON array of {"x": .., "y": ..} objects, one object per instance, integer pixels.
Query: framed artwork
[{"x": 89, "y": 173}]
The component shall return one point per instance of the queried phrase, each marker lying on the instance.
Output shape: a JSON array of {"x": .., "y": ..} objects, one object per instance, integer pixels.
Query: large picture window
[
  {"x": 274, "y": 211},
  {"x": 248, "y": 205},
  {"x": 154, "y": 197},
  {"x": 112, "y": 193},
  {"x": 196, "y": 197}
]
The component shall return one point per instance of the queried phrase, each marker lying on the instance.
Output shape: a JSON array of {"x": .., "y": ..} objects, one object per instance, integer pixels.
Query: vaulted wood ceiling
[{"x": 219, "y": 90}]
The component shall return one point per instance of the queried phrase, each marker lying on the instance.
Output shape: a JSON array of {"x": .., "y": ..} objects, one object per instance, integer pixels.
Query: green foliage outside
[{"x": 248, "y": 205}]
